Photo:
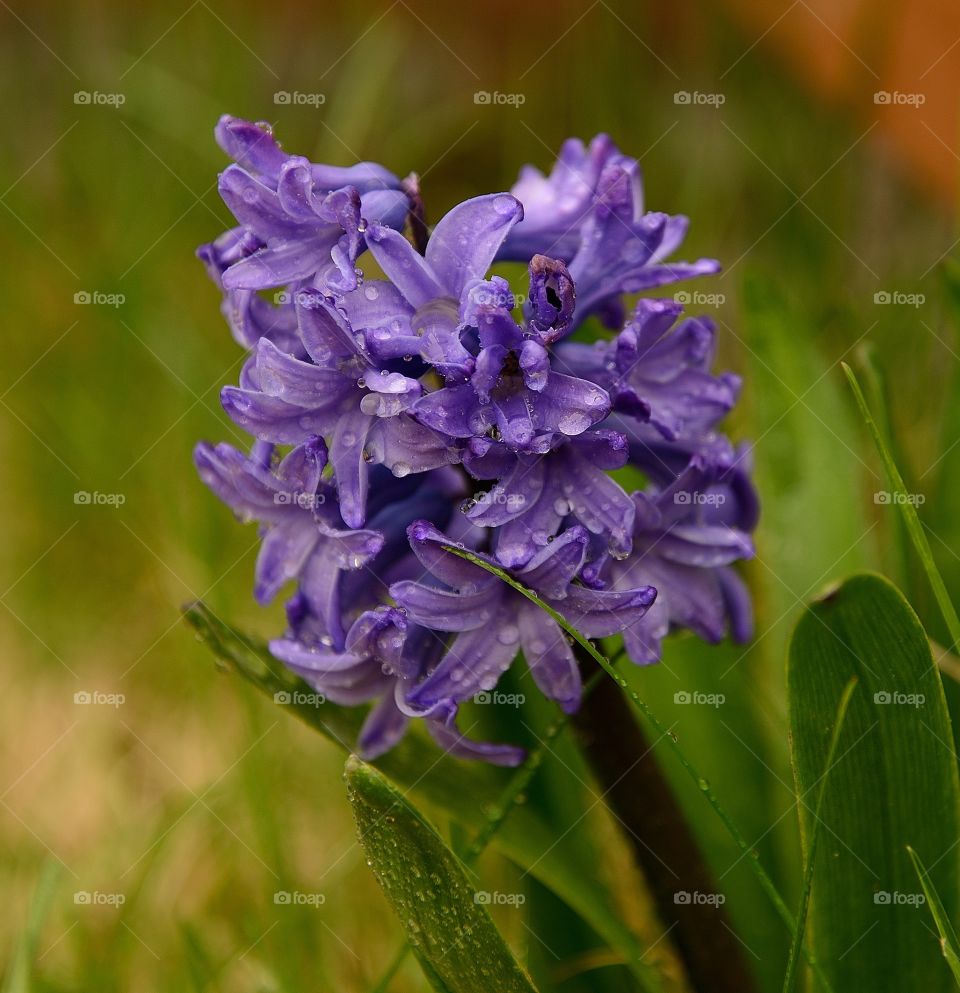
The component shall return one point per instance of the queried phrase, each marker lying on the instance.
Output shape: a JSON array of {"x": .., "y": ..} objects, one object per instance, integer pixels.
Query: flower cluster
[{"x": 394, "y": 417}]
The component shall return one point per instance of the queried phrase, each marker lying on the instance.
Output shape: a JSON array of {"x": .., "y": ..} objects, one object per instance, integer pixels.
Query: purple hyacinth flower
[
  {"x": 685, "y": 552},
  {"x": 538, "y": 496},
  {"x": 248, "y": 315},
  {"x": 621, "y": 252},
  {"x": 307, "y": 219},
  {"x": 382, "y": 405},
  {"x": 338, "y": 391},
  {"x": 589, "y": 212},
  {"x": 304, "y": 537},
  {"x": 492, "y": 621},
  {"x": 556, "y": 206},
  {"x": 382, "y": 658},
  {"x": 659, "y": 372},
  {"x": 513, "y": 391}
]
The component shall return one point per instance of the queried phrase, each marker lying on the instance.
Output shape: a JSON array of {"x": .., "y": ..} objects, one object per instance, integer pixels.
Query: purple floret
[{"x": 403, "y": 398}]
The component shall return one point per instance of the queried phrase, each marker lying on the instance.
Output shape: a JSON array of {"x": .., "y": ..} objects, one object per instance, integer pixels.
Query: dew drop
[{"x": 508, "y": 634}]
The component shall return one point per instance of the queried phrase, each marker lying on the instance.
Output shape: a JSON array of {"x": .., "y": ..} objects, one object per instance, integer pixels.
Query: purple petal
[
  {"x": 282, "y": 555},
  {"x": 384, "y": 726},
  {"x": 403, "y": 266},
  {"x": 449, "y": 738},
  {"x": 465, "y": 242},
  {"x": 550, "y": 657},
  {"x": 350, "y": 466},
  {"x": 551, "y": 571},
  {"x": 570, "y": 405},
  {"x": 474, "y": 661},
  {"x": 303, "y": 383},
  {"x": 251, "y": 145}
]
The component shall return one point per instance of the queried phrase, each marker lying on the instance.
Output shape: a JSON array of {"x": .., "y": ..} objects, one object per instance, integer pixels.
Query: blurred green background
[{"x": 189, "y": 797}]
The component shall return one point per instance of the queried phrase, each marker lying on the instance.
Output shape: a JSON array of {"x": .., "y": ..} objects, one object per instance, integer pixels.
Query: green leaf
[
  {"x": 472, "y": 793},
  {"x": 948, "y": 937},
  {"x": 448, "y": 925},
  {"x": 895, "y": 751},
  {"x": 19, "y": 977},
  {"x": 665, "y": 733},
  {"x": 811, "y": 855},
  {"x": 910, "y": 516}
]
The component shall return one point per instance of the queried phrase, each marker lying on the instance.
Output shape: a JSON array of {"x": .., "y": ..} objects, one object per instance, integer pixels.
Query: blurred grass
[{"x": 115, "y": 200}]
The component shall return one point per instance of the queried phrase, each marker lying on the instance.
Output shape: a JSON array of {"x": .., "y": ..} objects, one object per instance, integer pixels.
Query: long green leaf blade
[
  {"x": 911, "y": 518},
  {"x": 703, "y": 785},
  {"x": 895, "y": 752},
  {"x": 948, "y": 937},
  {"x": 810, "y": 862},
  {"x": 550, "y": 851},
  {"x": 448, "y": 925}
]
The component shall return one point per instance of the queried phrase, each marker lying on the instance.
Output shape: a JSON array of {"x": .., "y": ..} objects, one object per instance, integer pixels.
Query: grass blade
[
  {"x": 895, "y": 752},
  {"x": 911, "y": 518},
  {"x": 448, "y": 925},
  {"x": 763, "y": 877},
  {"x": 800, "y": 926},
  {"x": 19, "y": 977},
  {"x": 948, "y": 937}
]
